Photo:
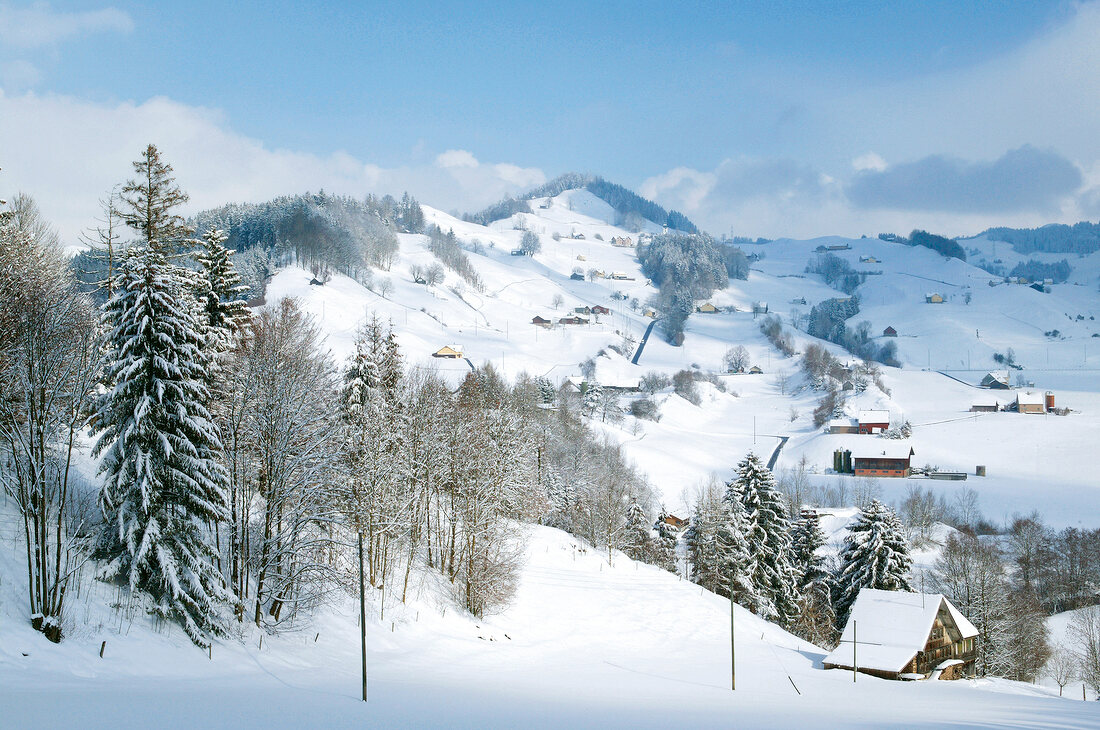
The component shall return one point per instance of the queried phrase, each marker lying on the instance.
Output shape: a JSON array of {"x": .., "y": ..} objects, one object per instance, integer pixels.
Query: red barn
[{"x": 874, "y": 421}]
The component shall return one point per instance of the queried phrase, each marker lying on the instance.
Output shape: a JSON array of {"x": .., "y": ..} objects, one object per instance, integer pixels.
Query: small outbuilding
[
  {"x": 577, "y": 277},
  {"x": 706, "y": 308},
  {"x": 889, "y": 332},
  {"x": 755, "y": 370},
  {"x": 985, "y": 405},
  {"x": 843, "y": 425},
  {"x": 873, "y": 421},
  {"x": 541, "y": 321},
  {"x": 600, "y": 309},
  {"x": 902, "y": 635},
  {"x": 933, "y": 298}
]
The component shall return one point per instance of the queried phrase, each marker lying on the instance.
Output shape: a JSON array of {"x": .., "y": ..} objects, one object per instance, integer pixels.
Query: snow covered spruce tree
[
  {"x": 771, "y": 571},
  {"x": 875, "y": 555},
  {"x": 735, "y": 559},
  {"x": 219, "y": 291},
  {"x": 816, "y": 620},
  {"x": 638, "y": 541},
  {"x": 379, "y": 500},
  {"x": 702, "y": 539},
  {"x": 164, "y": 485}
]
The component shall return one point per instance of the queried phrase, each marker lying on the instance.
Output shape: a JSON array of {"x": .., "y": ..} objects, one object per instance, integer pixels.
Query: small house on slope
[
  {"x": 995, "y": 380},
  {"x": 901, "y": 635},
  {"x": 706, "y": 308},
  {"x": 882, "y": 458},
  {"x": 452, "y": 352},
  {"x": 889, "y": 332},
  {"x": 874, "y": 421}
]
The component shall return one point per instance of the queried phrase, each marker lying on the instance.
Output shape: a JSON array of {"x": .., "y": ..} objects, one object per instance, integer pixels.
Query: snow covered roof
[
  {"x": 882, "y": 449},
  {"x": 1025, "y": 398},
  {"x": 891, "y": 627},
  {"x": 841, "y": 422},
  {"x": 874, "y": 416},
  {"x": 985, "y": 400}
]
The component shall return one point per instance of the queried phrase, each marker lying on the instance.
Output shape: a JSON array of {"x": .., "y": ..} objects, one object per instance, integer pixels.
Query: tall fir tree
[
  {"x": 638, "y": 542},
  {"x": 875, "y": 555},
  {"x": 734, "y": 555},
  {"x": 767, "y": 533},
  {"x": 702, "y": 543},
  {"x": 807, "y": 539},
  {"x": 219, "y": 291},
  {"x": 163, "y": 483},
  {"x": 374, "y": 433},
  {"x": 816, "y": 619},
  {"x": 148, "y": 204}
]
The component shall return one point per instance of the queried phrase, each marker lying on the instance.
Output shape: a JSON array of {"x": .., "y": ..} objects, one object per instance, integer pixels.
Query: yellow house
[
  {"x": 933, "y": 298},
  {"x": 707, "y": 308},
  {"x": 452, "y": 352}
]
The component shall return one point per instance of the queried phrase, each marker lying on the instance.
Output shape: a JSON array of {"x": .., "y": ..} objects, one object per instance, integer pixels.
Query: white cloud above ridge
[
  {"x": 39, "y": 25},
  {"x": 67, "y": 153}
]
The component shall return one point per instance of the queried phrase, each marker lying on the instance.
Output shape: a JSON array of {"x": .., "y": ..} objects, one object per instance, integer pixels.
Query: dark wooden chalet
[{"x": 901, "y": 635}]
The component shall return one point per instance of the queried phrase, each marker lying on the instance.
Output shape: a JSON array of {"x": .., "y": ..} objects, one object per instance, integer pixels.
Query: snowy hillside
[
  {"x": 584, "y": 643},
  {"x": 691, "y": 442}
]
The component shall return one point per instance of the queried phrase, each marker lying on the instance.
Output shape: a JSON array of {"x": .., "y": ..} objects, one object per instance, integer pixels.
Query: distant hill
[
  {"x": 626, "y": 203},
  {"x": 1081, "y": 238}
]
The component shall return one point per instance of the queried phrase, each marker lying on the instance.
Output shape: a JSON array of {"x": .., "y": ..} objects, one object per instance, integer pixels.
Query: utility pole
[
  {"x": 733, "y": 655},
  {"x": 363, "y": 616},
  {"x": 853, "y": 653}
]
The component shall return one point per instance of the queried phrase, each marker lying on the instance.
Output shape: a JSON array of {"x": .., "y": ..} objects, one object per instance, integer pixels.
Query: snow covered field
[{"x": 584, "y": 644}]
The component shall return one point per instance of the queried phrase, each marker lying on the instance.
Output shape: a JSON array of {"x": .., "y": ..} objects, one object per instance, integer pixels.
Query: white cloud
[
  {"x": 869, "y": 161},
  {"x": 39, "y": 25},
  {"x": 68, "y": 152},
  {"x": 456, "y": 158},
  {"x": 18, "y": 74}
]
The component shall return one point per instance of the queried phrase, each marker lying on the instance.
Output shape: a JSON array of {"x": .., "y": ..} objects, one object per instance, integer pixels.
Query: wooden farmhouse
[
  {"x": 452, "y": 352},
  {"x": 622, "y": 241},
  {"x": 541, "y": 321},
  {"x": 600, "y": 309},
  {"x": 755, "y": 370},
  {"x": 882, "y": 458},
  {"x": 706, "y": 308},
  {"x": 901, "y": 635},
  {"x": 676, "y": 522},
  {"x": 873, "y": 421},
  {"x": 576, "y": 277},
  {"x": 933, "y": 298},
  {"x": 996, "y": 381},
  {"x": 889, "y": 332},
  {"x": 1028, "y": 402},
  {"x": 575, "y": 319}
]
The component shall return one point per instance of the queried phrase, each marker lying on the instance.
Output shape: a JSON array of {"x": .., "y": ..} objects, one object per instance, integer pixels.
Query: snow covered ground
[{"x": 584, "y": 644}]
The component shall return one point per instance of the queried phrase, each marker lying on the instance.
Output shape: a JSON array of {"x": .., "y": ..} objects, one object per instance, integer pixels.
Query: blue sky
[{"x": 760, "y": 118}]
